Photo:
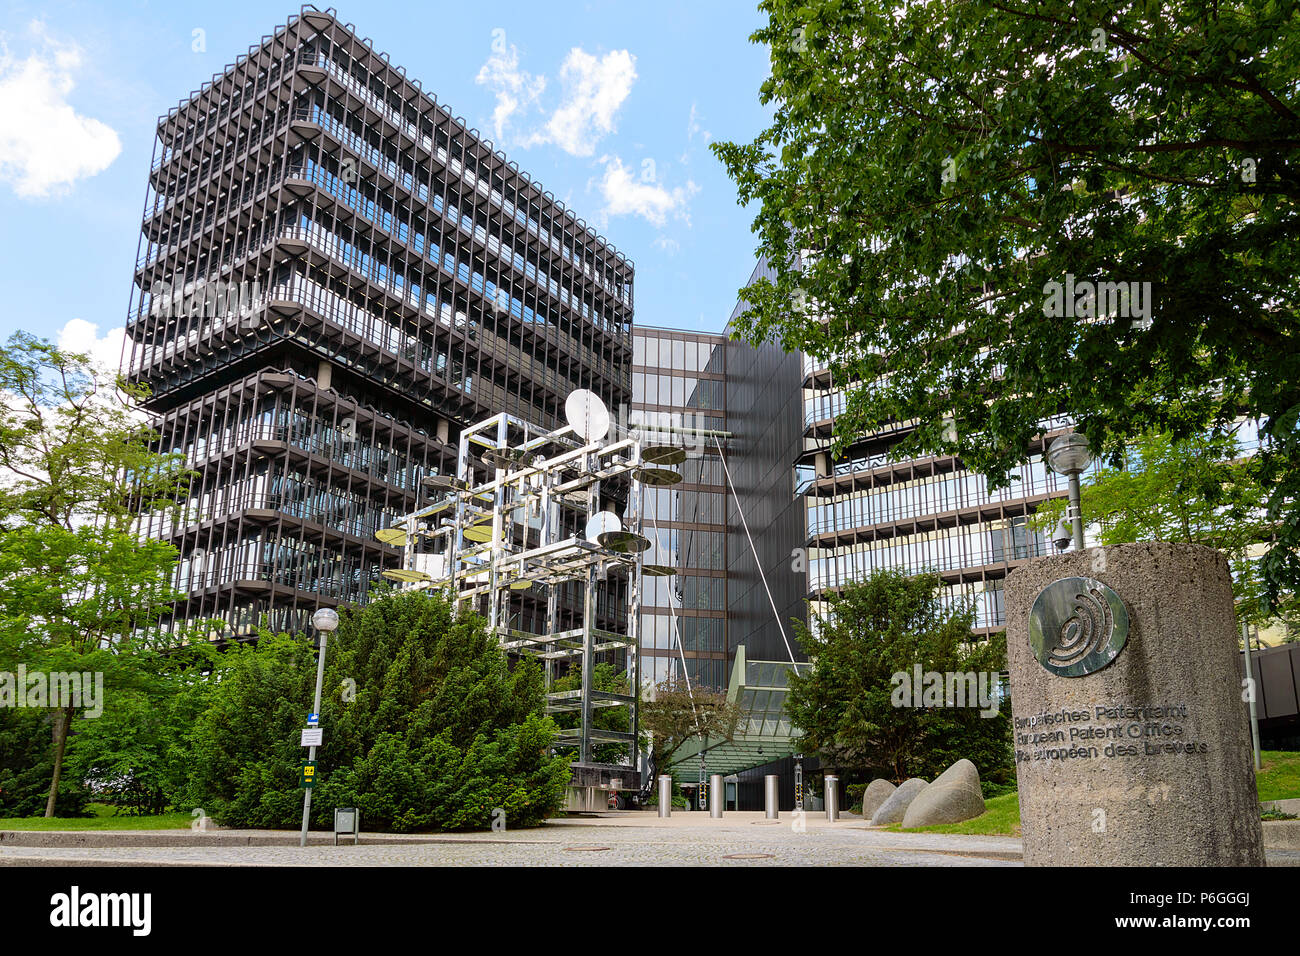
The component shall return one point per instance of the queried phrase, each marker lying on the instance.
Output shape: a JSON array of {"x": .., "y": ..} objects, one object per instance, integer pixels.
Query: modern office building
[
  {"x": 679, "y": 387},
  {"x": 866, "y": 510},
  {"x": 733, "y": 527},
  {"x": 803, "y": 522},
  {"x": 335, "y": 275}
]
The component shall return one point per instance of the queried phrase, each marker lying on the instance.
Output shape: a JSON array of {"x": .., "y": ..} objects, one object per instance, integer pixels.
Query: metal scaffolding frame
[{"x": 540, "y": 521}]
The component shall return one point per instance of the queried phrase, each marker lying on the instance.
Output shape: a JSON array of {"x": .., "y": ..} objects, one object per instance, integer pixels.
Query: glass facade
[
  {"x": 679, "y": 381},
  {"x": 865, "y": 511}
]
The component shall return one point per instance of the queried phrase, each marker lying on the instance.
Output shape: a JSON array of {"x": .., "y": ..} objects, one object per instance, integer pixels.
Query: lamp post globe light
[
  {"x": 325, "y": 620},
  {"x": 1069, "y": 455}
]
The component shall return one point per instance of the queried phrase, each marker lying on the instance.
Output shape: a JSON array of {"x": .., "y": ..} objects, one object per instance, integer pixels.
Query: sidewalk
[{"x": 626, "y": 838}]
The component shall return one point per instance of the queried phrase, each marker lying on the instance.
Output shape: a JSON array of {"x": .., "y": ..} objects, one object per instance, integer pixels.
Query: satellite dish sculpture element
[{"x": 533, "y": 543}]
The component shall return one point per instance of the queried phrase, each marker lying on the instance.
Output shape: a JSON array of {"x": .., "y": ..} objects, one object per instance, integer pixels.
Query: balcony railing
[{"x": 381, "y": 106}]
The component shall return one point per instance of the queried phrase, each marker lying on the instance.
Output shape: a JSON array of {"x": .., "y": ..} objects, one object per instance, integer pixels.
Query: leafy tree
[
  {"x": 26, "y": 764},
  {"x": 137, "y": 755},
  {"x": 1197, "y": 490},
  {"x": 74, "y": 446},
  {"x": 78, "y": 591},
  {"x": 845, "y": 704},
  {"x": 609, "y": 680},
  {"x": 680, "y": 711},
  {"x": 426, "y": 726},
  {"x": 936, "y": 176}
]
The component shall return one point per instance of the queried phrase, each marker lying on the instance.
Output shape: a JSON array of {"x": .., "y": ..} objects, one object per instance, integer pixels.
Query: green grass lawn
[
  {"x": 1001, "y": 817},
  {"x": 1279, "y": 779},
  {"x": 1279, "y": 776},
  {"x": 103, "y": 817}
]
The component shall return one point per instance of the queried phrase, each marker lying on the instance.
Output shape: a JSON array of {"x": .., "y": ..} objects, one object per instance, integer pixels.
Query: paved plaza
[
  {"x": 620, "y": 839},
  {"x": 627, "y": 838}
]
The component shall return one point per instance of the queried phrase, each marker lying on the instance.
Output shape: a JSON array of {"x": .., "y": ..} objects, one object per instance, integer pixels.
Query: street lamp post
[
  {"x": 324, "y": 620},
  {"x": 1069, "y": 455},
  {"x": 1250, "y": 677}
]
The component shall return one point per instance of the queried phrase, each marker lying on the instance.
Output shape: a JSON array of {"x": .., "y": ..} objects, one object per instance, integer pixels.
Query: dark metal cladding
[{"x": 767, "y": 582}]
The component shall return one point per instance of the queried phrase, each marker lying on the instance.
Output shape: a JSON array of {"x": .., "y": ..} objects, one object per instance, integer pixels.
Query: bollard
[
  {"x": 769, "y": 796},
  {"x": 665, "y": 795},
  {"x": 717, "y": 796},
  {"x": 832, "y": 798}
]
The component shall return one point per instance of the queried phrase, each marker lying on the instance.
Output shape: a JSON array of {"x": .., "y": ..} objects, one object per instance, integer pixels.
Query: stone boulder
[
  {"x": 878, "y": 792},
  {"x": 953, "y": 797},
  {"x": 896, "y": 804}
]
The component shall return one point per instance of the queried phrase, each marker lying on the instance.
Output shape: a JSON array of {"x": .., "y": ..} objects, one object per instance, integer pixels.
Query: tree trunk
[{"x": 62, "y": 723}]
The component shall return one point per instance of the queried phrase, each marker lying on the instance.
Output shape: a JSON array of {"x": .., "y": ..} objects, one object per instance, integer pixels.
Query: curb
[
  {"x": 1282, "y": 834},
  {"x": 163, "y": 838}
]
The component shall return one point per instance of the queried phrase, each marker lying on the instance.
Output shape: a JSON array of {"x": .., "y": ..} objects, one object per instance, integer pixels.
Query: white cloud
[
  {"x": 81, "y": 336},
  {"x": 594, "y": 89},
  {"x": 670, "y": 246},
  {"x": 694, "y": 128},
  {"x": 516, "y": 90},
  {"x": 45, "y": 144},
  {"x": 627, "y": 196}
]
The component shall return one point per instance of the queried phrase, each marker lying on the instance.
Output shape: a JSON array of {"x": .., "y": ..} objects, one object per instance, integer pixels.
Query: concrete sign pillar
[{"x": 1131, "y": 741}]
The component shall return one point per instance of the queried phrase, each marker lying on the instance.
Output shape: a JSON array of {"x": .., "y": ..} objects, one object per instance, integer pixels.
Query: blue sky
[{"x": 611, "y": 105}]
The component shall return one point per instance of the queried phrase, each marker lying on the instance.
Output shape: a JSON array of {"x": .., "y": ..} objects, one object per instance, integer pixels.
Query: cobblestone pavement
[
  {"x": 615, "y": 839},
  {"x": 622, "y": 840}
]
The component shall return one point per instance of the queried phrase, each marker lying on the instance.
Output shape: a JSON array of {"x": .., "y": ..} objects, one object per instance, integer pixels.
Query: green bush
[
  {"x": 244, "y": 747},
  {"x": 679, "y": 799},
  {"x": 992, "y": 789},
  {"x": 426, "y": 727}
]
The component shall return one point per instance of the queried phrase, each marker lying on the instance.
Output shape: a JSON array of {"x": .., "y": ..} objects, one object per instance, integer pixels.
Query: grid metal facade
[
  {"x": 821, "y": 521},
  {"x": 679, "y": 380},
  {"x": 866, "y": 511},
  {"x": 335, "y": 275}
]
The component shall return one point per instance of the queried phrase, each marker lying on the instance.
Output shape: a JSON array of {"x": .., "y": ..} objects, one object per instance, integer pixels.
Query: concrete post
[
  {"x": 1132, "y": 751},
  {"x": 769, "y": 796}
]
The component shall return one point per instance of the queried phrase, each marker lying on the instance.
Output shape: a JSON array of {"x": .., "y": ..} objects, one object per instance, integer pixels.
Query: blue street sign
[{"x": 313, "y": 720}]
